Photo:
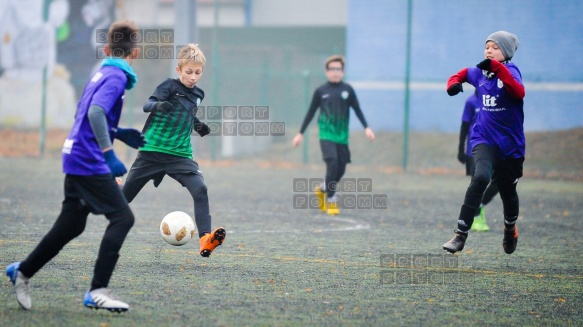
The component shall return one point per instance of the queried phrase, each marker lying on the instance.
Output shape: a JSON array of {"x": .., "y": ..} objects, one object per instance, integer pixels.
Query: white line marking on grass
[{"x": 354, "y": 225}]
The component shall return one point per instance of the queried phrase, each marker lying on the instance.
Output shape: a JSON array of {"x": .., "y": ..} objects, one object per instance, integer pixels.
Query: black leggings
[
  {"x": 335, "y": 169},
  {"x": 336, "y": 156},
  {"x": 490, "y": 192},
  {"x": 70, "y": 224},
  {"x": 194, "y": 184},
  {"x": 490, "y": 169}
]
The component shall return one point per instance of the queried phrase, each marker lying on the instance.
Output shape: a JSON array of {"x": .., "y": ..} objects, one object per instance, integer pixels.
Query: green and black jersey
[
  {"x": 334, "y": 101},
  {"x": 170, "y": 133}
]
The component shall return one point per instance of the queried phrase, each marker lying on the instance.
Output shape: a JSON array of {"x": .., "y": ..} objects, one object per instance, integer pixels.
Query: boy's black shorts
[
  {"x": 99, "y": 192},
  {"x": 335, "y": 151},
  {"x": 508, "y": 168},
  {"x": 155, "y": 165}
]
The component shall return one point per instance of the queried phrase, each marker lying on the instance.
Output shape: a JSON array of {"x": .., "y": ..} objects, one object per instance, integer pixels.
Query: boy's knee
[
  {"x": 124, "y": 217},
  {"x": 480, "y": 180},
  {"x": 200, "y": 191},
  {"x": 77, "y": 230}
]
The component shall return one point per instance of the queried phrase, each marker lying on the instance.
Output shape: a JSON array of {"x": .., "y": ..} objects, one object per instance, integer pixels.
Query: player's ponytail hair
[{"x": 191, "y": 53}]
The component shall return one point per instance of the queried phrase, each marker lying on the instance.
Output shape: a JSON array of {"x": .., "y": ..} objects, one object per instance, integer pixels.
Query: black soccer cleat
[
  {"x": 510, "y": 240},
  {"x": 457, "y": 243}
]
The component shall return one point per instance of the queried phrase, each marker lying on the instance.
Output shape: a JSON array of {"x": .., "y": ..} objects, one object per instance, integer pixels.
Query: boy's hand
[
  {"x": 485, "y": 65},
  {"x": 455, "y": 89},
  {"x": 129, "y": 136},
  {"x": 461, "y": 157},
  {"x": 202, "y": 129},
  {"x": 164, "y": 106},
  {"x": 369, "y": 134},
  {"x": 298, "y": 140},
  {"x": 115, "y": 165}
]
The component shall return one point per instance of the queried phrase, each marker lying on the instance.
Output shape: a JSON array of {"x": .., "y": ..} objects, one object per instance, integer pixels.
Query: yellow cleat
[
  {"x": 333, "y": 208},
  {"x": 321, "y": 198}
]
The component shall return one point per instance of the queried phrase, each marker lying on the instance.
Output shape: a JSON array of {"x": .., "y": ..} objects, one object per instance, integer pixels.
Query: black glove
[
  {"x": 164, "y": 106},
  {"x": 201, "y": 128},
  {"x": 117, "y": 168},
  {"x": 455, "y": 89},
  {"x": 485, "y": 64},
  {"x": 461, "y": 157},
  {"x": 129, "y": 136}
]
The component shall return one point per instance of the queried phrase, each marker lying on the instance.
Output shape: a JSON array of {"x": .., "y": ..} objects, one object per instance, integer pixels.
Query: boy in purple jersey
[
  {"x": 498, "y": 142},
  {"x": 90, "y": 166},
  {"x": 471, "y": 110}
]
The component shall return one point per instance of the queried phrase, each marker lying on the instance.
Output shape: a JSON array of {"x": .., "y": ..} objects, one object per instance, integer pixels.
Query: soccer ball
[{"x": 177, "y": 228}]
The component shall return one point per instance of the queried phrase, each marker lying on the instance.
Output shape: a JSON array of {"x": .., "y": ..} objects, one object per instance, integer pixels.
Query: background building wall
[
  {"x": 450, "y": 35},
  {"x": 271, "y": 52}
]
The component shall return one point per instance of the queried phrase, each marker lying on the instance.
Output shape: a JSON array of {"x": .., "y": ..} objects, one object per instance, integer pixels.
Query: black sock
[
  {"x": 509, "y": 222},
  {"x": 466, "y": 218}
]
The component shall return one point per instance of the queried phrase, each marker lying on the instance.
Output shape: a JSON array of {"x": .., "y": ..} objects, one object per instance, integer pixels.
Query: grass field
[{"x": 282, "y": 266}]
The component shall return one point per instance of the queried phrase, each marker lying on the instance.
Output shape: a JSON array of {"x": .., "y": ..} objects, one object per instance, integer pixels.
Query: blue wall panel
[{"x": 450, "y": 35}]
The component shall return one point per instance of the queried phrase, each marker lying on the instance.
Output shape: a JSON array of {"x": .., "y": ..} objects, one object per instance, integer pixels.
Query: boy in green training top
[
  {"x": 334, "y": 98},
  {"x": 172, "y": 119}
]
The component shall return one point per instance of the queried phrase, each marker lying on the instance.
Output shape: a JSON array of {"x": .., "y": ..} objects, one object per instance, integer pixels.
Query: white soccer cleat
[
  {"x": 20, "y": 285},
  {"x": 102, "y": 298}
]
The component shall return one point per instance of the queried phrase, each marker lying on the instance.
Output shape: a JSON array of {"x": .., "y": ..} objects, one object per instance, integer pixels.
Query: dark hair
[{"x": 122, "y": 38}]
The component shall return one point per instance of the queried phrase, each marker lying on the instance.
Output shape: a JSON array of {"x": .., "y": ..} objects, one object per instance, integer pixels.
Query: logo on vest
[{"x": 489, "y": 101}]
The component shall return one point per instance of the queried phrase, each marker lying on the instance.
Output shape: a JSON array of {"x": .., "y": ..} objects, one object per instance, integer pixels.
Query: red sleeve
[
  {"x": 459, "y": 77},
  {"x": 514, "y": 88}
]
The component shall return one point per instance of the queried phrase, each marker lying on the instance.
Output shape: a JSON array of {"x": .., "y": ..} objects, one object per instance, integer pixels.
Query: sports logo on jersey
[
  {"x": 488, "y": 74},
  {"x": 96, "y": 77},
  {"x": 68, "y": 146},
  {"x": 180, "y": 95},
  {"x": 324, "y": 96},
  {"x": 500, "y": 84},
  {"x": 489, "y": 101},
  {"x": 344, "y": 94}
]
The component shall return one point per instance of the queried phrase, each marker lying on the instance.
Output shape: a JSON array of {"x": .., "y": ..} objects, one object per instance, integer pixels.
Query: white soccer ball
[{"x": 177, "y": 228}]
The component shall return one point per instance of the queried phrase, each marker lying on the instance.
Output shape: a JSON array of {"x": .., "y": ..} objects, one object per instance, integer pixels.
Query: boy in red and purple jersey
[
  {"x": 90, "y": 165},
  {"x": 497, "y": 141}
]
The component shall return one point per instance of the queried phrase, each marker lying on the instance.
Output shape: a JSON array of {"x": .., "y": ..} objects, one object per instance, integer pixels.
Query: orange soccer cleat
[{"x": 210, "y": 241}]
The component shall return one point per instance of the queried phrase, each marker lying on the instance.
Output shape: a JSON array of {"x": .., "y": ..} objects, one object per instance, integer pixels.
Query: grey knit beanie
[{"x": 507, "y": 42}]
